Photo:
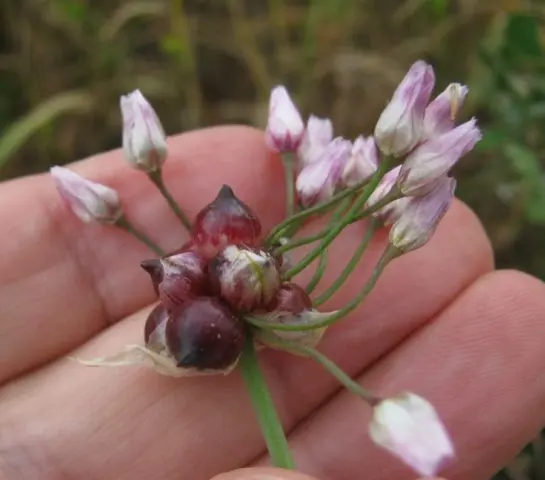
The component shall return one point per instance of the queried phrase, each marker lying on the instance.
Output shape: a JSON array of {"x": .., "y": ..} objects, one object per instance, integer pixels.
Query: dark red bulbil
[
  {"x": 291, "y": 298},
  {"x": 225, "y": 221},
  {"x": 178, "y": 277},
  {"x": 205, "y": 335}
]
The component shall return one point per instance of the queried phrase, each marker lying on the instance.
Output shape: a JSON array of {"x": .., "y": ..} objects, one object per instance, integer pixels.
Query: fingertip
[{"x": 263, "y": 474}]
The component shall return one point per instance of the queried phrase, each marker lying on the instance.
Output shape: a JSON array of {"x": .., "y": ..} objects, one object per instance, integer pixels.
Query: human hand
[{"x": 440, "y": 323}]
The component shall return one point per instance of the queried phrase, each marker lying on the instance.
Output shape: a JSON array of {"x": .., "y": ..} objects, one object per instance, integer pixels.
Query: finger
[
  {"x": 200, "y": 427},
  {"x": 263, "y": 474},
  {"x": 481, "y": 365},
  {"x": 62, "y": 281}
]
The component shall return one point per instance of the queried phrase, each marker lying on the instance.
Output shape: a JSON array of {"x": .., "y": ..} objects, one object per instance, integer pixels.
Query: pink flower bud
[
  {"x": 203, "y": 334},
  {"x": 363, "y": 162},
  {"x": 317, "y": 181},
  {"x": 89, "y": 201},
  {"x": 179, "y": 277},
  {"x": 408, "y": 427},
  {"x": 144, "y": 140},
  {"x": 390, "y": 212},
  {"x": 225, "y": 221},
  {"x": 433, "y": 159},
  {"x": 246, "y": 278},
  {"x": 318, "y": 135},
  {"x": 400, "y": 126},
  {"x": 440, "y": 113},
  {"x": 421, "y": 215},
  {"x": 285, "y": 127}
]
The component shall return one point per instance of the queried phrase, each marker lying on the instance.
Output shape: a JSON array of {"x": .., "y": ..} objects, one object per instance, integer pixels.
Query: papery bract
[
  {"x": 225, "y": 221},
  {"x": 154, "y": 329},
  {"x": 318, "y": 135},
  {"x": 401, "y": 125},
  {"x": 441, "y": 113},
  {"x": 432, "y": 160},
  {"x": 245, "y": 278},
  {"x": 178, "y": 277},
  {"x": 144, "y": 140},
  {"x": 408, "y": 427},
  {"x": 89, "y": 201},
  {"x": 317, "y": 181},
  {"x": 421, "y": 215},
  {"x": 285, "y": 127},
  {"x": 391, "y": 211},
  {"x": 362, "y": 163},
  {"x": 203, "y": 334}
]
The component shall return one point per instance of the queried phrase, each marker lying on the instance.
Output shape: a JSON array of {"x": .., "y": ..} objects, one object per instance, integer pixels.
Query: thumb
[{"x": 262, "y": 474}]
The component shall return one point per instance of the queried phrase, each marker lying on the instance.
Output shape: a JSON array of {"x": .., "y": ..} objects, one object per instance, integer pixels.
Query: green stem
[
  {"x": 128, "y": 227},
  {"x": 328, "y": 365},
  {"x": 389, "y": 254},
  {"x": 156, "y": 176},
  {"x": 318, "y": 274},
  {"x": 300, "y": 242},
  {"x": 298, "y": 217},
  {"x": 289, "y": 176},
  {"x": 334, "y": 232},
  {"x": 264, "y": 408},
  {"x": 325, "y": 296}
]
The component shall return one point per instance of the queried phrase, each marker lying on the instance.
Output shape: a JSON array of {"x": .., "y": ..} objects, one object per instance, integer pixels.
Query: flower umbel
[
  {"x": 408, "y": 427},
  {"x": 362, "y": 163},
  {"x": 89, "y": 201},
  {"x": 144, "y": 140},
  {"x": 318, "y": 134}
]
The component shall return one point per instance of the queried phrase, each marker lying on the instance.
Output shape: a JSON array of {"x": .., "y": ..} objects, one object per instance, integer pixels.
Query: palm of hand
[{"x": 440, "y": 323}]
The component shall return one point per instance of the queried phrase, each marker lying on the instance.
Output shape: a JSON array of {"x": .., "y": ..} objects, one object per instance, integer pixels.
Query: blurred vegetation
[{"x": 64, "y": 63}]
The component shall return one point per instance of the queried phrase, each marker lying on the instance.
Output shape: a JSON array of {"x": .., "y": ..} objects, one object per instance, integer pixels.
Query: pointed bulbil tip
[
  {"x": 155, "y": 270},
  {"x": 226, "y": 192}
]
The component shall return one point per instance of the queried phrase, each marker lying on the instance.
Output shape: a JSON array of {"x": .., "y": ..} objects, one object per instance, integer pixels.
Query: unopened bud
[
  {"x": 178, "y": 277},
  {"x": 362, "y": 163},
  {"x": 225, "y": 221},
  {"x": 246, "y": 278},
  {"x": 203, "y": 334},
  {"x": 144, "y": 140},
  {"x": 389, "y": 213},
  {"x": 89, "y": 201},
  {"x": 285, "y": 127},
  {"x": 318, "y": 135},
  {"x": 421, "y": 215},
  {"x": 317, "y": 181},
  {"x": 409, "y": 427},
  {"x": 432, "y": 160},
  {"x": 401, "y": 125},
  {"x": 441, "y": 113}
]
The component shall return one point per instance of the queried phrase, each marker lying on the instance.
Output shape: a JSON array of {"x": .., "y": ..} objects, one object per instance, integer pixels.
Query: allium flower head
[
  {"x": 144, "y": 140},
  {"x": 401, "y": 125},
  {"x": 89, "y": 201},
  {"x": 421, "y": 215},
  {"x": 408, "y": 427},
  {"x": 441, "y": 113},
  {"x": 317, "y": 181},
  {"x": 362, "y": 163},
  {"x": 432, "y": 160},
  {"x": 285, "y": 127},
  {"x": 318, "y": 135}
]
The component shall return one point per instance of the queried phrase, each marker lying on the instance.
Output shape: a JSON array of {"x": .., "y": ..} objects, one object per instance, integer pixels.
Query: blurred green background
[{"x": 64, "y": 63}]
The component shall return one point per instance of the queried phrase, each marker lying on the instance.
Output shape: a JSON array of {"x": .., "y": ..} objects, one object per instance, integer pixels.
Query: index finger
[{"x": 63, "y": 277}]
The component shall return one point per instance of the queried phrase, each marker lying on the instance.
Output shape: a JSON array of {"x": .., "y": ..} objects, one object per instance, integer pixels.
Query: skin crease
[{"x": 440, "y": 323}]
